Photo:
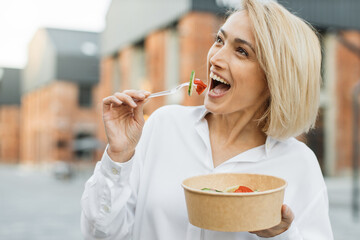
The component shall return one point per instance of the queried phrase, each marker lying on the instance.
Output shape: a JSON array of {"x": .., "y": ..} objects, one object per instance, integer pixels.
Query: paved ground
[
  {"x": 36, "y": 206},
  {"x": 345, "y": 226}
]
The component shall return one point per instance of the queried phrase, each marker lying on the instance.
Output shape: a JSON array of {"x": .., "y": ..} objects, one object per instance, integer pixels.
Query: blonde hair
[{"x": 289, "y": 52}]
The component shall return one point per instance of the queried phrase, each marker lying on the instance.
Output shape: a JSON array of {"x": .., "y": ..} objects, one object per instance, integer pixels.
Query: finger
[
  {"x": 287, "y": 214},
  {"x": 136, "y": 91},
  {"x": 147, "y": 94},
  {"x": 139, "y": 111},
  {"x": 125, "y": 99},
  {"x": 110, "y": 100},
  {"x": 137, "y": 95}
]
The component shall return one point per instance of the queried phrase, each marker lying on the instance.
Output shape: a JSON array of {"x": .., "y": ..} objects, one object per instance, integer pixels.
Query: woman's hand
[
  {"x": 286, "y": 220},
  {"x": 123, "y": 120}
]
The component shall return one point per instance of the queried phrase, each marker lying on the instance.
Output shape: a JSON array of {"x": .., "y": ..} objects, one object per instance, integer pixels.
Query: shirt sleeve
[
  {"x": 109, "y": 197},
  {"x": 312, "y": 224}
]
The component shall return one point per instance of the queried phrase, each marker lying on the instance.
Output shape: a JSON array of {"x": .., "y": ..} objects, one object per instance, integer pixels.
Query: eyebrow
[{"x": 238, "y": 40}]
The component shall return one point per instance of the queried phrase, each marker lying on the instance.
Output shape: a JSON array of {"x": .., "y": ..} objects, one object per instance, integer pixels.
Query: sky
[{"x": 19, "y": 20}]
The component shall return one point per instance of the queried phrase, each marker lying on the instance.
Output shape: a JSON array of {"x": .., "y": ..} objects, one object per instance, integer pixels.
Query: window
[
  {"x": 85, "y": 96},
  {"x": 84, "y": 146}
]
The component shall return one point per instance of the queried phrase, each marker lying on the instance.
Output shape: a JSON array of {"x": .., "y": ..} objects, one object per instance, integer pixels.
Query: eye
[
  {"x": 218, "y": 39},
  {"x": 242, "y": 51}
]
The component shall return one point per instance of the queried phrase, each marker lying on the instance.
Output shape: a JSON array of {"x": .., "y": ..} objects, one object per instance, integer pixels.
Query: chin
[{"x": 214, "y": 107}]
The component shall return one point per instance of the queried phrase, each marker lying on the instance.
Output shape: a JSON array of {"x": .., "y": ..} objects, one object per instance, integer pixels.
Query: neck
[{"x": 236, "y": 129}]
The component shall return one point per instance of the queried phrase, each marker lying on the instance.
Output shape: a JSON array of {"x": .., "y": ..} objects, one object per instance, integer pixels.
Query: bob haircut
[{"x": 289, "y": 52}]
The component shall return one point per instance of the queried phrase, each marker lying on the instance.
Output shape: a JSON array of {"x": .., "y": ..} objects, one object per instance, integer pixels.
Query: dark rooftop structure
[
  {"x": 10, "y": 86},
  {"x": 66, "y": 55},
  {"x": 128, "y": 22},
  {"x": 336, "y": 14}
]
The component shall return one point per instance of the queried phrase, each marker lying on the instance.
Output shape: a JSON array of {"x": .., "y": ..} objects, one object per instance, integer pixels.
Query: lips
[{"x": 219, "y": 86}]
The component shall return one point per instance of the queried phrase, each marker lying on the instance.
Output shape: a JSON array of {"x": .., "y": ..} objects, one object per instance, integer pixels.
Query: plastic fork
[{"x": 169, "y": 92}]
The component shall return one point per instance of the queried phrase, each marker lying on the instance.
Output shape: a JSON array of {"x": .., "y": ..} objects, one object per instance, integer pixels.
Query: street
[{"x": 36, "y": 206}]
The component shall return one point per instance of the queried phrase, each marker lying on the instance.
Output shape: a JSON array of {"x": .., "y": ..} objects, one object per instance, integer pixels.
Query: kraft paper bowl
[{"x": 234, "y": 212}]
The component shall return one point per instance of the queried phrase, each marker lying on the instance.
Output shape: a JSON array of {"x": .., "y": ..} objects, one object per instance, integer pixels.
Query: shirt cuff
[
  {"x": 291, "y": 234},
  {"x": 115, "y": 170}
]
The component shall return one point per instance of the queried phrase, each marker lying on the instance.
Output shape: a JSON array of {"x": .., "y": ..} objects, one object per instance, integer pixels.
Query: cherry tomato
[
  {"x": 243, "y": 189},
  {"x": 200, "y": 86}
]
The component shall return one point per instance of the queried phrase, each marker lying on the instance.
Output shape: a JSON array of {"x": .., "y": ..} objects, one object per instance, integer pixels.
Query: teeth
[{"x": 217, "y": 78}]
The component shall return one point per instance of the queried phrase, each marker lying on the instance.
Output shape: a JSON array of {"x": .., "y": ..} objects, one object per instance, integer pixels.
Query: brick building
[
  {"x": 338, "y": 23},
  {"x": 165, "y": 41},
  {"x": 57, "y": 111},
  {"x": 9, "y": 114},
  {"x": 168, "y": 39}
]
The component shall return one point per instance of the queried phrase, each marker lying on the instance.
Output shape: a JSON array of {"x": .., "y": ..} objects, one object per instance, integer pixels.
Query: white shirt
[{"x": 142, "y": 199}]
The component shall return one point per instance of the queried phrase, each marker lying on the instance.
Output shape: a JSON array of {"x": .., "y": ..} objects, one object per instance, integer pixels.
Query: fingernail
[
  {"x": 286, "y": 209},
  {"x": 141, "y": 95}
]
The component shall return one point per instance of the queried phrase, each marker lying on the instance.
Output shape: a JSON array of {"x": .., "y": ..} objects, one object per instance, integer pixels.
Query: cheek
[
  {"x": 262, "y": 82},
  {"x": 252, "y": 83}
]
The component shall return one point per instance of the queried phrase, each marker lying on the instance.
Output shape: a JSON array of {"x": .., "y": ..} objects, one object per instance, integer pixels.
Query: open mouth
[{"x": 218, "y": 86}]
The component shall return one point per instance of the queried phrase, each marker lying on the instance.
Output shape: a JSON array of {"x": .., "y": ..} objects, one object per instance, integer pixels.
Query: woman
[{"x": 264, "y": 77}]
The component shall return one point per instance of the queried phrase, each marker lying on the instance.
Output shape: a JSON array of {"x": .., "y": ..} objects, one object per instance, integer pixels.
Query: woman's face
[{"x": 237, "y": 82}]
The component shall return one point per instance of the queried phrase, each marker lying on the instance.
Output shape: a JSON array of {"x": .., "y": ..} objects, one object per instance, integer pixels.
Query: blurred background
[{"x": 58, "y": 59}]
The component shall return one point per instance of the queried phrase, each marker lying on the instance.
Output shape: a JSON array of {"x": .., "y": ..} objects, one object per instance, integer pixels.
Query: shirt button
[
  {"x": 115, "y": 171},
  {"x": 106, "y": 208}
]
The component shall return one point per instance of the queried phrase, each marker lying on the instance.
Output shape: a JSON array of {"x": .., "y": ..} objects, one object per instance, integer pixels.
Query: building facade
[
  {"x": 154, "y": 45},
  {"x": 168, "y": 39},
  {"x": 9, "y": 115},
  {"x": 338, "y": 23},
  {"x": 58, "y": 117},
  {"x": 158, "y": 50}
]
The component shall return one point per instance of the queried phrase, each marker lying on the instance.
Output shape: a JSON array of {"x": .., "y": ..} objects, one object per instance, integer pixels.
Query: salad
[
  {"x": 233, "y": 189},
  {"x": 196, "y": 85}
]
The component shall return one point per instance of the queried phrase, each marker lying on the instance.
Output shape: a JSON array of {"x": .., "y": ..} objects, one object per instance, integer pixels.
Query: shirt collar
[
  {"x": 269, "y": 143},
  {"x": 202, "y": 114}
]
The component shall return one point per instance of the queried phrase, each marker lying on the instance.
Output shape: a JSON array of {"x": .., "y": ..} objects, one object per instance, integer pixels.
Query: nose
[{"x": 217, "y": 59}]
